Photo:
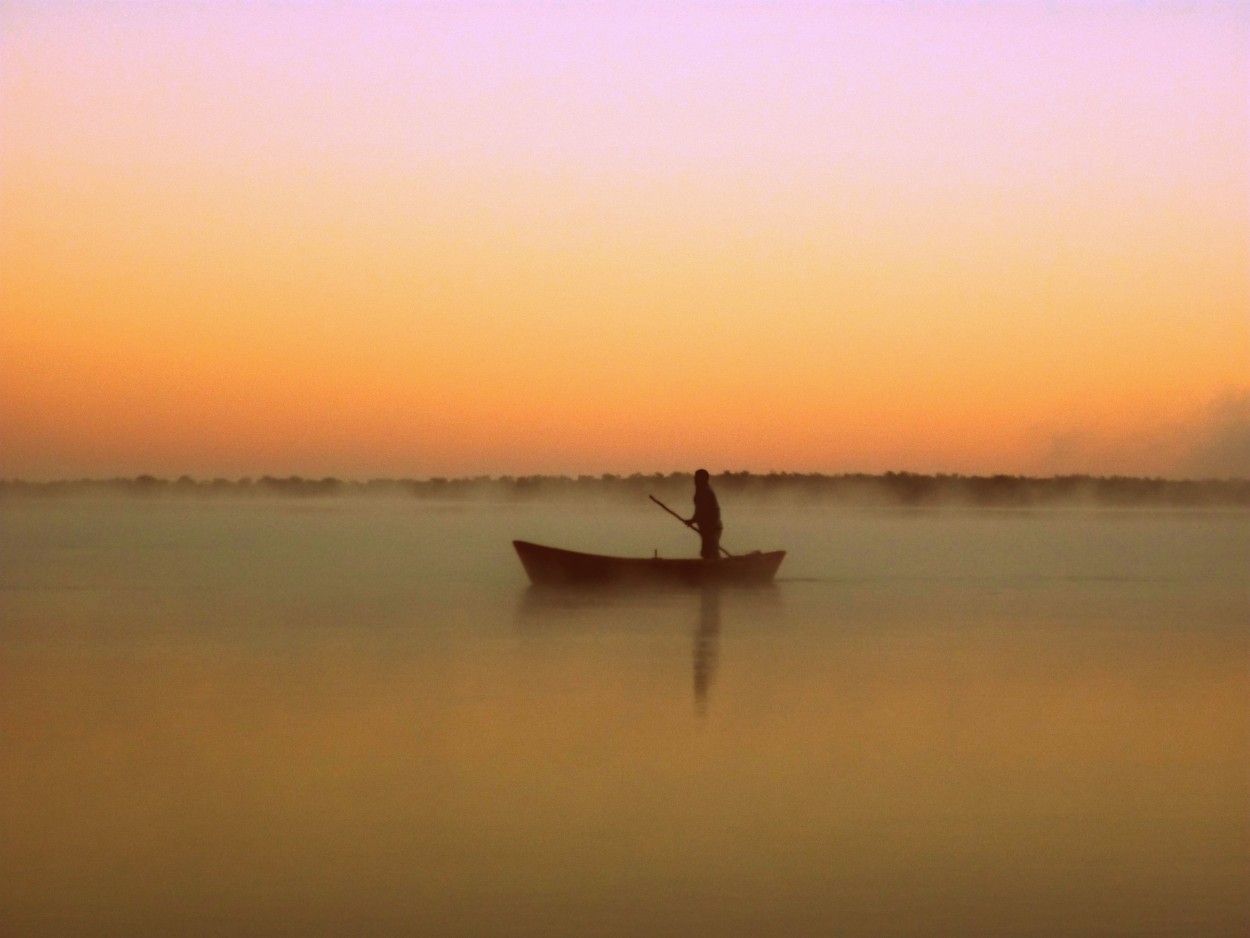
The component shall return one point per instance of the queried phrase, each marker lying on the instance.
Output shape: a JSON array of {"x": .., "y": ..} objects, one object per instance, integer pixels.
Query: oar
[{"x": 689, "y": 524}]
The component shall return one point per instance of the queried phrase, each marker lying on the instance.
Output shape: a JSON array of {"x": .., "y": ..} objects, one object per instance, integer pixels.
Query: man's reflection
[{"x": 706, "y": 646}]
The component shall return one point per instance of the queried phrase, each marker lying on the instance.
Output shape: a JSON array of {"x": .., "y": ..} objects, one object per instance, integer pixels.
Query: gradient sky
[{"x": 455, "y": 239}]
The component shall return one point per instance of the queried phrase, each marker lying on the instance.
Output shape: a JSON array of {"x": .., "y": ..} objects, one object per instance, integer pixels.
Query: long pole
[{"x": 690, "y": 525}]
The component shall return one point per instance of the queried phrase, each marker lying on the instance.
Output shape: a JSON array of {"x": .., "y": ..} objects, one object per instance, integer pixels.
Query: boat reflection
[{"x": 587, "y": 611}]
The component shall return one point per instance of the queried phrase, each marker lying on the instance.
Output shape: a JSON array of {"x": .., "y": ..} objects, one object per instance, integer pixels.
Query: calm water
[{"x": 355, "y": 717}]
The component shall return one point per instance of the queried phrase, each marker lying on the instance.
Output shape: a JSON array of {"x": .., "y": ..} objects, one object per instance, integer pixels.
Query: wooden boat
[{"x": 551, "y": 565}]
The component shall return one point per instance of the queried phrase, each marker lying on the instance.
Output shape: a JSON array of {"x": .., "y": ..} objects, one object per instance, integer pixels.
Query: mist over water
[{"x": 355, "y": 716}]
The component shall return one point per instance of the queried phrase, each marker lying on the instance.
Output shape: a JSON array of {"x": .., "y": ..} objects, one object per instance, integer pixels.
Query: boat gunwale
[
  {"x": 553, "y": 565},
  {"x": 754, "y": 555}
]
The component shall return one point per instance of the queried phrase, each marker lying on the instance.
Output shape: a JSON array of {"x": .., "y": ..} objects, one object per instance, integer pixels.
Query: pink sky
[{"x": 427, "y": 239}]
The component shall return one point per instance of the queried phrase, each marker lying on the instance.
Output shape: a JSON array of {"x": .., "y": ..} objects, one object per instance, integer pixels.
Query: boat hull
[{"x": 553, "y": 566}]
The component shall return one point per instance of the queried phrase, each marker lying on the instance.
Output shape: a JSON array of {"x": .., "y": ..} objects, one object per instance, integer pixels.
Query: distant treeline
[{"x": 890, "y": 489}]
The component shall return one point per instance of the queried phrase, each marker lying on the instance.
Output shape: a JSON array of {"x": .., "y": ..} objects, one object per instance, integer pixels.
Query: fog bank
[{"x": 902, "y": 489}]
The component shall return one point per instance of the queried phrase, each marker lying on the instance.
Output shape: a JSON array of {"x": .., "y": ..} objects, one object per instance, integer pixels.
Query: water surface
[{"x": 354, "y": 716}]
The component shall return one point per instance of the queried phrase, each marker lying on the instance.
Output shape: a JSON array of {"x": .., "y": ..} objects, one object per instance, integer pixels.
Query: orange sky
[{"x": 470, "y": 239}]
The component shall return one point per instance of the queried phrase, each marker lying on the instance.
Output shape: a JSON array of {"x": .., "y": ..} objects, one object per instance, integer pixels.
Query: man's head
[{"x": 701, "y": 477}]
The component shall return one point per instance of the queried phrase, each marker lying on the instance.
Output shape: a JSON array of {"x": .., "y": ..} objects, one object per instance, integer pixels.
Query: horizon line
[{"x": 726, "y": 474}]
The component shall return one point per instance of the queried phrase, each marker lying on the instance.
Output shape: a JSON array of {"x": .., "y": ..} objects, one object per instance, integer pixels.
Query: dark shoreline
[{"x": 904, "y": 489}]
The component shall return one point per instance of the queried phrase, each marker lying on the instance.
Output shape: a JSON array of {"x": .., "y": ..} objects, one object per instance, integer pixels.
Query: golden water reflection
[{"x": 841, "y": 771}]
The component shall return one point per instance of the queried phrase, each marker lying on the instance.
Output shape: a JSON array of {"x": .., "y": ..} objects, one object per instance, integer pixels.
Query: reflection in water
[
  {"x": 260, "y": 722},
  {"x": 706, "y": 639},
  {"x": 590, "y": 610}
]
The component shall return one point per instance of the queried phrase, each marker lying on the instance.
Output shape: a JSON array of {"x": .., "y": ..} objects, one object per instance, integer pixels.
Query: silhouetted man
[{"x": 706, "y": 517}]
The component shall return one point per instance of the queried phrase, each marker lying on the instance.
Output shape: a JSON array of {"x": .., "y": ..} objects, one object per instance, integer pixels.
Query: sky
[{"x": 422, "y": 239}]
